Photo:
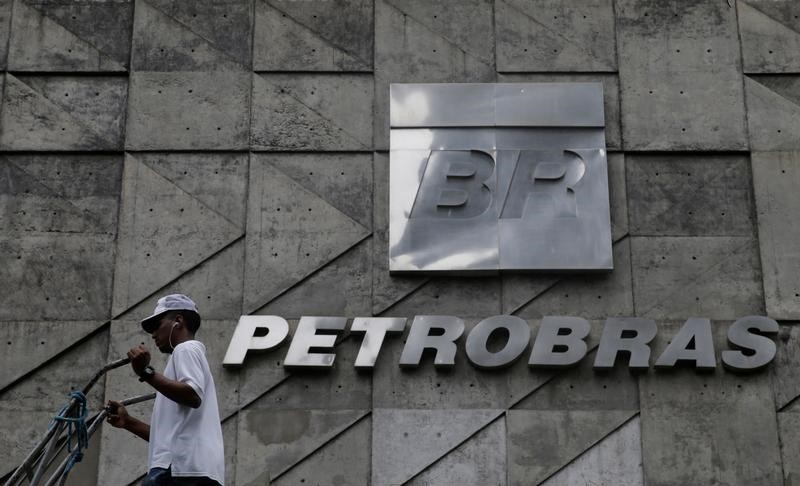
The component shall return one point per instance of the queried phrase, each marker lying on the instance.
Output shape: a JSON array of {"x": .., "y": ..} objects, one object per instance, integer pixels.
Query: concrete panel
[
  {"x": 465, "y": 24},
  {"x": 215, "y": 284},
  {"x": 312, "y": 112},
  {"x": 340, "y": 288},
  {"x": 785, "y": 382},
  {"x": 292, "y": 232},
  {"x": 117, "y": 465},
  {"x": 412, "y": 45},
  {"x": 28, "y": 406},
  {"x": 28, "y": 345},
  {"x": 230, "y": 428},
  {"x": 164, "y": 43},
  {"x": 60, "y": 193},
  {"x": 616, "y": 460},
  {"x": 463, "y": 297},
  {"x": 406, "y": 442},
  {"x": 164, "y": 232},
  {"x": 770, "y": 33},
  {"x": 226, "y": 24},
  {"x": 262, "y": 373},
  {"x": 188, "y": 111},
  {"x": 789, "y": 430},
  {"x": 5, "y": 31},
  {"x": 773, "y": 112},
  {"x": 313, "y": 36},
  {"x": 104, "y": 25},
  {"x": 519, "y": 290},
  {"x": 49, "y": 385},
  {"x": 786, "y": 11},
  {"x": 21, "y": 431},
  {"x": 569, "y": 434},
  {"x": 344, "y": 180},
  {"x": 610, "y": 97},
  {"x": 775, "y": 179},
  {"x": 386, "y": 289},
  {"x": 594, "y": 296},
  {"x": 325, "y": 466},
  {"x": 340, "y": 388},
  {"x": 690, "y": 196},
  {"x": 479, "y": 461},
  {"x": 270, "y": 442},
  {"x": 462, "y": 387},
  {"x": 582, "y": 388},
  {"x": 715, "y": 277},
  {"x": 57, "y": 37},
  {"x": 701, "y": 428},
  {"x": 787, "y": 86},
  {"x": 555, "y": 36},
  {"x": 218, "y": 180},
  {"x": 57, "y": 276},
  {"x": 618, "y": 195},
  {"x": 63, "y": 113},
  {"x": 675, "y": 63}
]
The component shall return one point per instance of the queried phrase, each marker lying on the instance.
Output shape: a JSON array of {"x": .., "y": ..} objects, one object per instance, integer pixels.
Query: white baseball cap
[{"x": 168, "y": 303}]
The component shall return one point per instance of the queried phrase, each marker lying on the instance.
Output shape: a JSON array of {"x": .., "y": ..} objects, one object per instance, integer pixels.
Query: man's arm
[
  {"x": 118, "y": 417},
  {"x": 177, "y": 391}
]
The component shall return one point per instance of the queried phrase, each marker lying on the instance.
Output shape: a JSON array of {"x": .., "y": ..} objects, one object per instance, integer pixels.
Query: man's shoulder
[{"x": 191, "y": 346}]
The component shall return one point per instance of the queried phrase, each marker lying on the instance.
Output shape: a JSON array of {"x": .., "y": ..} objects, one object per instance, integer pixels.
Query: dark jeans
[{"x": 163, "y": 477}]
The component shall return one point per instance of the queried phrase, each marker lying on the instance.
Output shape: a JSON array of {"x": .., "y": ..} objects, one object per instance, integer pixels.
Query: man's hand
[
  {"x": 118, "y": 417},
  {"x": 140, "y": 357},
  {"x": 117, "y": 414}
]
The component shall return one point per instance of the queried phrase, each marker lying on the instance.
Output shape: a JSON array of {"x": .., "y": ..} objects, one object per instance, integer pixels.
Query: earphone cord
[{"x": 170, "y": 336}]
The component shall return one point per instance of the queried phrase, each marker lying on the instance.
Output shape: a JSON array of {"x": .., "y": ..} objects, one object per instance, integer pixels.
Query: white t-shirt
[{"x": 188, "y": 439}]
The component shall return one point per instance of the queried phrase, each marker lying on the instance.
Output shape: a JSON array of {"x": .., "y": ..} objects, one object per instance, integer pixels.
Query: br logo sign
[{"x": 498, "y": 177}]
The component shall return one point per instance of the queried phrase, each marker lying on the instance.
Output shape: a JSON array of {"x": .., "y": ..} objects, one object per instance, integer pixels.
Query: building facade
[{"x": 238, "y": 151}]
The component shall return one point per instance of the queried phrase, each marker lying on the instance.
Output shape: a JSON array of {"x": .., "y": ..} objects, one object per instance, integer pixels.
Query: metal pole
[
  {"x": 105, "y": 369},
  {"x": 48, "y": 455},
  {"x": 62, "y": 443},
  {"x": 29, "y": 462},
  {"x": 95, "y": 424}
]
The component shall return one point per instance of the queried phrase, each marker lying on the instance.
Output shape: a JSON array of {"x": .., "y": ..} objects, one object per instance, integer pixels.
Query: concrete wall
[{"x": 236, "y": 150}]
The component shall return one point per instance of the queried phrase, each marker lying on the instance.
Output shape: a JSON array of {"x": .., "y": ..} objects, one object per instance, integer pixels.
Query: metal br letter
[{"x": 493, "y": 177}]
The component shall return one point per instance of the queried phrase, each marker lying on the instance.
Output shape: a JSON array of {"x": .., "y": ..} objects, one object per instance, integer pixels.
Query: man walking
[{"x": 185, "y": 435}]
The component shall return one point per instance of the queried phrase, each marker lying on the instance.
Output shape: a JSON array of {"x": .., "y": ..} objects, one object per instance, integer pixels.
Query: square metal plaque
[{"x": 498, "y": 177}]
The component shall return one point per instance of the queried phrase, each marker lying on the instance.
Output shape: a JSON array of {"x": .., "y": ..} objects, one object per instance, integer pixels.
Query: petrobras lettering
[{"x": 560, "y": 342}]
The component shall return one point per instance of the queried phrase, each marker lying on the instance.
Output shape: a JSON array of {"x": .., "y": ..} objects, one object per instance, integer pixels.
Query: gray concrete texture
[
  {"x": 773, "y": 112},
  {"x": 63, "y": 112},
  {"x": 70, "y": 36},
  {"x": 674, "y": 61},
  {"x": 553, "y": 36},
  {"x": 317, "y": 112},
  {"x": 237, "y": 151},
  {"x": 687, "y": 437},
  {"x": 201, "y": 36},
  {"x": 313, "y": 36}
]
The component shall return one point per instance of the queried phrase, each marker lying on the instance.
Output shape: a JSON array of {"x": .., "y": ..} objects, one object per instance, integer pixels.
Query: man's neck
[{"x": 181, "y": 339}]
